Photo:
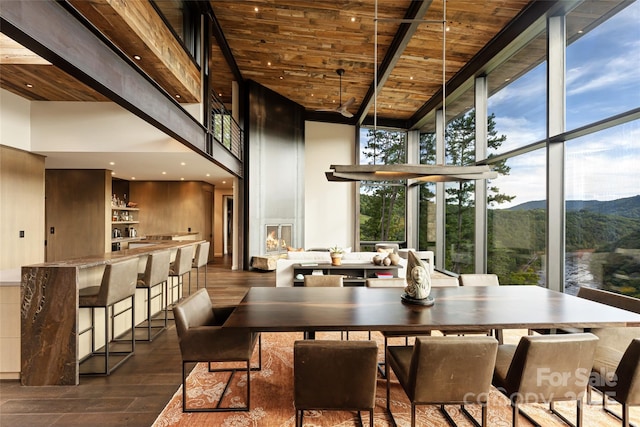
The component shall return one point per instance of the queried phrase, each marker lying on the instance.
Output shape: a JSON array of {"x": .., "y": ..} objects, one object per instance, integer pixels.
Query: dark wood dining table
[{"x": 456, "y": 308}]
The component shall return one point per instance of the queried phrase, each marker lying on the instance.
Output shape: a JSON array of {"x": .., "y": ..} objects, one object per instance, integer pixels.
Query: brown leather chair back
[
  {"x": 386, "y": 283},
  {"x": 183, "y": 261},
  {"x": 194, "y": 311},
  {"x": 157, "y": 269},
  {"x": 613, "y": 299},
  {"x": 326, "y": 280},
  {"x": 627, "y": 387},
  {"x": 335, "y": 374},
  {"x": 551, "y": 367},
  {"x": 451, "y": 369},
  {"x": 118, "y": 282},
  {"x": 617, "y": 338},
  {"x": 479, "y": 280},
  {"x": 202, "y": 255}
]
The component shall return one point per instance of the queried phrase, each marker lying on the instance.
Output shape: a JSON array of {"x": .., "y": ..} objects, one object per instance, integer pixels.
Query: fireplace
[{"x": 278, "y": 238}]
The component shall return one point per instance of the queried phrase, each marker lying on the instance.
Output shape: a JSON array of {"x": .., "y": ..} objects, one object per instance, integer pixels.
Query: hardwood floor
[{"x": 136, "y": 392}]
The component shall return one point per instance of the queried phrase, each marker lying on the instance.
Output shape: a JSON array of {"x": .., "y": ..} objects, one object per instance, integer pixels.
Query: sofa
[{"x": 284, "y": 265}]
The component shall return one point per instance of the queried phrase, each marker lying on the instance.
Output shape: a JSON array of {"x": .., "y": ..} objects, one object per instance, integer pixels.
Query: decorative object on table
[
  {"x": 336, "y": 255},
  {"x": 385, "y": 258},
  {"x": 418, "y": 282}
]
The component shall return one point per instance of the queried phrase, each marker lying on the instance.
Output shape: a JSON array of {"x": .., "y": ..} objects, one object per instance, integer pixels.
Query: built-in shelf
[{"x": 354, "y": 274}]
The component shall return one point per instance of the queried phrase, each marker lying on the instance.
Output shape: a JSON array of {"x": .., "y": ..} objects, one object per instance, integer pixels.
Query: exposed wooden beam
[{"x": 406, "y": 30}]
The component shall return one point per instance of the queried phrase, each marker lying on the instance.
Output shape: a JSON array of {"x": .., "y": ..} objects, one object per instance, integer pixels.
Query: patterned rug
[{"x": 272, "y": 398}]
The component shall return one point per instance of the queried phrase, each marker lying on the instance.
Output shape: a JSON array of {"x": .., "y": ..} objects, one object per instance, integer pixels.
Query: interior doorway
[{"x": 227, "y": 243}]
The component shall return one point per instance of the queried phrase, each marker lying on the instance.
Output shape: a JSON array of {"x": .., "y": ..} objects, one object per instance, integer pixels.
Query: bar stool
[
  {"x": 179, "y": 267},
  {"x": 118, "y": 284},
  {"x": 200, "y": 260},
  {"x": 156, "y": 274}
]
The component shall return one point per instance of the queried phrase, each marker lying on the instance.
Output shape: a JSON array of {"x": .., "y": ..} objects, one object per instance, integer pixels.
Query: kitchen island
[{"x": 50, "y": 316}]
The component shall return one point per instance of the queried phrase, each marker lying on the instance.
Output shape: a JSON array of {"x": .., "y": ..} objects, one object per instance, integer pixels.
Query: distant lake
[{"x": 577, "y": 273}]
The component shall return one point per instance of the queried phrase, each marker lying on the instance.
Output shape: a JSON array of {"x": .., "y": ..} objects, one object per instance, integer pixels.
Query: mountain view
[{"x": 602, "y": 244}]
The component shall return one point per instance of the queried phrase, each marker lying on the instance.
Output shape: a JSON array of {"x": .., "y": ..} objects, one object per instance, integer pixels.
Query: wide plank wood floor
[{"x": 136, "y": 392}]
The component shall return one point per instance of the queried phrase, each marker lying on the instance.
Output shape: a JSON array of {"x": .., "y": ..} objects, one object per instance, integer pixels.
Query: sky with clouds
[{"x": 603, "y": 79}]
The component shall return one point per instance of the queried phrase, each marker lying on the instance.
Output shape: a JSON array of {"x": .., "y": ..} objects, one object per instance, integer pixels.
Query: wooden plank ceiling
[{"x": 294, "y": 48}]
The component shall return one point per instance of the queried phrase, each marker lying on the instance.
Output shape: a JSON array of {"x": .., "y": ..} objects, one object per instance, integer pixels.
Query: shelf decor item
[{"x": 336, "y": 255}]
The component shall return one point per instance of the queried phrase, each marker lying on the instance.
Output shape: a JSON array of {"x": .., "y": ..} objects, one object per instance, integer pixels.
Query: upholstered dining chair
[
  {"x": 545, "y": 369},
  {"x": 202, "y": 339},
  {"x": 200, "y": 260},
  {"x": 617, "y": 376},
  {"x": 392, "y": 283},
  {"x": 156, "y": 274},
  {"x": 326, "y": 281},
  {"x": 444, "y": 370},
  {"x": 479, "y": 279},
  {"x": 334, "y": 375},
  {"x": 118, "y": 284}
]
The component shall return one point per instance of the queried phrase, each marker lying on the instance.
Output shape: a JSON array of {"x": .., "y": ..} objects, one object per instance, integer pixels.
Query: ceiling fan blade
[
  {"x": 349, "y": 102},
  {"x": 345, "y": 113},
  {"x": 327, "y": 110}
]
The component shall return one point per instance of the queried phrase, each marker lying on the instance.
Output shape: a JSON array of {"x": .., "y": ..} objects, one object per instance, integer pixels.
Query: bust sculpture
[{"x": 418, "y": 282}]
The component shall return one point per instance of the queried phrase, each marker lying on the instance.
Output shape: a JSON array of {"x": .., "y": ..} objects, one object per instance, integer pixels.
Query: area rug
[{"x": 272, "y": 398}]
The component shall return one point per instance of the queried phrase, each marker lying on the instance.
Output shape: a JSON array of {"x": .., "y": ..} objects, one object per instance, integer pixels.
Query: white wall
[
  {"x": 15, "y": 121},
  {"x": 329, "y": 206}
]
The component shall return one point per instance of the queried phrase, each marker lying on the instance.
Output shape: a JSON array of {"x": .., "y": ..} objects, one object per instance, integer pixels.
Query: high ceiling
[{"x": 294, "y": 48}]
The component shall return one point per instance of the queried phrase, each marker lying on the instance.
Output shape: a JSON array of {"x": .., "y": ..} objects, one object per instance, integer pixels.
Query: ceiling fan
[{"x": 342, "y": 108}]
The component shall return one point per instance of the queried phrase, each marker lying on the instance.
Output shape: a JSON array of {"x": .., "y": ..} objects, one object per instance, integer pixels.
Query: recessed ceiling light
[
  {"x": 220, "y": 94},
  {"x": 281, "y": 77},
  {"x": 269, "y": 63},
  {"x": 411, "y": 78},
  {"x": 113, "y": 172},
  {"x": 177, "y": 95},
  {"x": 224, "y": 182},
  {"x": 112, "y": 163},
  {"x": 255, "y": 9},
  {"x": 29, "y": 85},
  {"x": 353, "y": 19},
  {"x": 133, "y": 178},
  {"x": 182, "y": 163},
  {"x": 208, "y": 174},
  {"x": 181, "y": 179},
  {"x": 164, "y": 173},
  {"x": 137, "y": 57}
]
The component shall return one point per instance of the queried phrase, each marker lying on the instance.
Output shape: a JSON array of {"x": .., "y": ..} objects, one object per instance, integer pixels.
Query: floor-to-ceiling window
[
  {"x": 516, "y": 200},
  {"x": 427, "y": 196},
  {"x": 382, "y": 204},
  {"x": 602, "y": 183}
]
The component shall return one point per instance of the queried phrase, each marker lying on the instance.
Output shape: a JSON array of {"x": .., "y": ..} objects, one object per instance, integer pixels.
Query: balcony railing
[{"x": 224, "y": 129}]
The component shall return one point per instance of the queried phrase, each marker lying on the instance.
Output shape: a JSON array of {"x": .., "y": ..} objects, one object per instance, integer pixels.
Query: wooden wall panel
[
  {"x": 78, "y": 207},
  {"x": 21, "y": 208},
  {"x": 170, "y": 206}
]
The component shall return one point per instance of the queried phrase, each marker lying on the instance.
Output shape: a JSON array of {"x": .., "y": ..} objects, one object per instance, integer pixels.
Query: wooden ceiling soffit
[
  {"x": 44, "y": 83},
  {"x": 137, "y": 29}
]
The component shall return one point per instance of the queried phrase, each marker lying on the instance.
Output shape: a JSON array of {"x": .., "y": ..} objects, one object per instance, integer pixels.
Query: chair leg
[
  {"x": 106, "y": 338},
  {"x": 413, "y": 415}
]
